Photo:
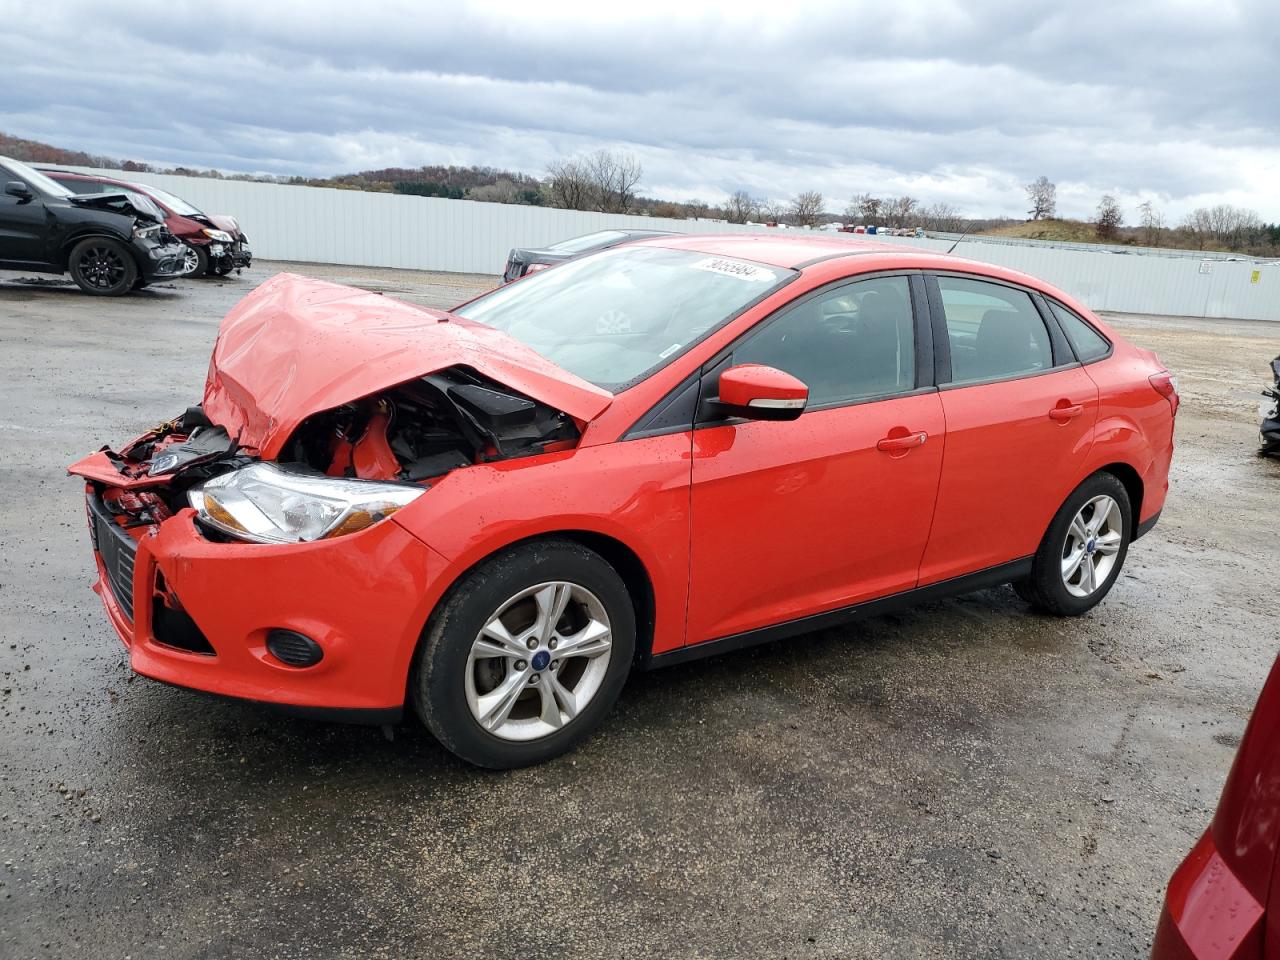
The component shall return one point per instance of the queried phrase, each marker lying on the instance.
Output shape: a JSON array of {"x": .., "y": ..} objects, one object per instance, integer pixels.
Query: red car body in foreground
[
  {"x": 671, "y": 449},
  {"x": 1223, "y": 902}
]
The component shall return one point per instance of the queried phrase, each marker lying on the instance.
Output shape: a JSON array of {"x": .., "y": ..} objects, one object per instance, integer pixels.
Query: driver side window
[{"x": 851, "y": 343}]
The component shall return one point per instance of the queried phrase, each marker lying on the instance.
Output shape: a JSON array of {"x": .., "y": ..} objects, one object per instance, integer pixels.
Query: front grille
[{"x": 117, "y": 550}]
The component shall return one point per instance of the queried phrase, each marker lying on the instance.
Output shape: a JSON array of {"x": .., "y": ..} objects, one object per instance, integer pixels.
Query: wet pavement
[{"x": 967, "y": 779}]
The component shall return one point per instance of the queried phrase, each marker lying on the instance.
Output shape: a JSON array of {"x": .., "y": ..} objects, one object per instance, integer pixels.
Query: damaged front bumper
[{"x": 198, "y": 613}]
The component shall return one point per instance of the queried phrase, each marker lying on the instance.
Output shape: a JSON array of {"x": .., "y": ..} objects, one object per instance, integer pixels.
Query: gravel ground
[{"x": 964, "y": 780}]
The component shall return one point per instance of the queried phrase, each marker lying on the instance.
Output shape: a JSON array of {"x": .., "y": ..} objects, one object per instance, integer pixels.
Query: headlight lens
[
  {"x": 220, "y": 235},
  {"x": 147, "y": 230},
  {"x": 265, "y": 504}
]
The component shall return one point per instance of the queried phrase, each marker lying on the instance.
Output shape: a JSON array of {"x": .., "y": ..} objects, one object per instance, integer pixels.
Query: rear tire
[
  {"x": 102, "y": 266},
  {"x": 1083, "y": 551},
  {"x": 497, "y": 678}
]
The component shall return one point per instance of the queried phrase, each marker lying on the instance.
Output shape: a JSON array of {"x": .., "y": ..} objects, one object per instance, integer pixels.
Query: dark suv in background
[
  {"x": 110, "y": 243},
  {"x": 215, "y": 243}
]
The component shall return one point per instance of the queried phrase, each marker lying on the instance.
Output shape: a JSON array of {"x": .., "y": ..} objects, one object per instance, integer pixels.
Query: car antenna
[{"x": 961, "y": 237}]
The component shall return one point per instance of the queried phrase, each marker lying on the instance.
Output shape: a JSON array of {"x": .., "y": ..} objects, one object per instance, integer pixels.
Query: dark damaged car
[
  {"x": 522, "y": 261},
  {"x": 110, "y": 243},
  {"x": 215, "y": 243}
]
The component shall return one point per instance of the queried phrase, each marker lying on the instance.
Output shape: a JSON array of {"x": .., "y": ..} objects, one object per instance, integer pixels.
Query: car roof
[
  {"x": 778, "y": 249},
  {"x": 800, "y": 251},
  {"x": 53, "y": 172}
]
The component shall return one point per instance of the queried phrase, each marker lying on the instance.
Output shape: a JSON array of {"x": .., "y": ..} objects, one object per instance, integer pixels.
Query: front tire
[
  {"x": 526, "y": 655},
  {"x": 102, "y": 266},
  {"x": 195, "y": 261},
  {"x": 1082, "y": 553}
]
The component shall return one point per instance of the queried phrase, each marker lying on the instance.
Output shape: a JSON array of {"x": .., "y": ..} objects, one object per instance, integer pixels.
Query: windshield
[
  {"x": 37, "y": 179},
  {"x": 578, "y": 244},
  {"x": 614, "y": 317},
  {"x": 176, "y": 204}
]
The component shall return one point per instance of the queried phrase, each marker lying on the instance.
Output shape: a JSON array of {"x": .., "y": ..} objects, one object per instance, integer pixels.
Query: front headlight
[
  {"x": 265, "y": 504},
  {"x": 220, "y": 235},
  {"x": 145, "y": 231}
]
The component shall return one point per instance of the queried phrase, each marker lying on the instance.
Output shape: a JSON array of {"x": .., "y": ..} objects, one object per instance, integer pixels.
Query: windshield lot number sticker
[{"x": 735, "y": 268}]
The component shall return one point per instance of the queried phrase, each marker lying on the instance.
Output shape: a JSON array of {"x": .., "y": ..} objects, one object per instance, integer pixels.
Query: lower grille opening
[{"x": 175, "y": 628}]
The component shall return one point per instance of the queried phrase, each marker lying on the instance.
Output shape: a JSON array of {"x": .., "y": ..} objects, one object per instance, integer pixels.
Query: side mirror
[
  {"x": 16, "y": 188},
  {"x": 757, "y": 392}
]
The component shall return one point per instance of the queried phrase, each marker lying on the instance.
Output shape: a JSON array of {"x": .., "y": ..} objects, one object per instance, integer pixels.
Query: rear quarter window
[{"x": 1088, "y": 343}]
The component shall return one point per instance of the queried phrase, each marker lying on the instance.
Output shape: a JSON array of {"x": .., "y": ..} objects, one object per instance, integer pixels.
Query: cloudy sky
[{"x": 962, "y": 103}]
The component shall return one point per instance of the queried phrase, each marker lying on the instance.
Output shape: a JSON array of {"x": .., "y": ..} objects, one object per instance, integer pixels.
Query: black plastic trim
[
  {"x": 674, "y": 413},
  {"x": 981, "y": 580},
  {"x": 364, "y": 716},
  {"x": 1145, "y": 526}
]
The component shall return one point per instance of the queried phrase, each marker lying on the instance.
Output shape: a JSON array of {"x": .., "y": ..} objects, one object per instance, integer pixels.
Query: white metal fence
[{"x": 325, "y": 225}]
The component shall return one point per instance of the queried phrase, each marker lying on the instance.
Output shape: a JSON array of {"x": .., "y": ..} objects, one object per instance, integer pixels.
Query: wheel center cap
[
  {"x": 541, "y": 659},
  {"x": 1091, "y": 545}
]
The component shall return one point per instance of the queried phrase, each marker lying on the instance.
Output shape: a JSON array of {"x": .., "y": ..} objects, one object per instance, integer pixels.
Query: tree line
[
  {"x": 609, "y": 181},
  {"x": 1220, "y": 227}
]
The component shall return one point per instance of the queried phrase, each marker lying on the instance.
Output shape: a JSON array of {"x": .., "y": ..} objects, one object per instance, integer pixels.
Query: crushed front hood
[
  {"x": 121, "y": 203},
  {"x": 296, "y": 347}
]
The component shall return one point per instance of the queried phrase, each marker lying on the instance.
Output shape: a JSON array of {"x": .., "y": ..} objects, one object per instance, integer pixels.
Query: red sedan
[
  {"x": 1223, "y": 903},
  {"x": 672, "y": 449}
]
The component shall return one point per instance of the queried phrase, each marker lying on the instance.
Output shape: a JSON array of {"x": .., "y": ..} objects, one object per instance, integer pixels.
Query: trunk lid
[{"x": 296, "y": 347}]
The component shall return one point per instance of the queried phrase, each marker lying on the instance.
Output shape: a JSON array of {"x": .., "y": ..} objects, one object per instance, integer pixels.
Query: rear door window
[{"x": 994, "y": 331}]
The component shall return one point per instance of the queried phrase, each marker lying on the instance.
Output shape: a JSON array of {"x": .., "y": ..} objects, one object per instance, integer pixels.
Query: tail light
[{"x": 1166, "y": 384}]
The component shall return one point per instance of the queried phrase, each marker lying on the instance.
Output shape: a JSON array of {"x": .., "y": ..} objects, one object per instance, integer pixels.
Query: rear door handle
[
  {"x": 1063, "y": 414},
  {"x": 899, "y": 444}
]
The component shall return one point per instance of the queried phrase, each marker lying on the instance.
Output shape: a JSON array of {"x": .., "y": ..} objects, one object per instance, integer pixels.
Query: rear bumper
[
  {"x": 364, "y": 598},
  {"x": 1208, "y": 914}
]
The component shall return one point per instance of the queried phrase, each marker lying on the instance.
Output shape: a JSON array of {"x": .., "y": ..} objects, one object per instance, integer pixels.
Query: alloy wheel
[
  {"x": 538, "y": 661},
  {"x": 190, "y": 261},
  {"x": 102, "y": 267},
  {"x": 1092, "y": 546}
]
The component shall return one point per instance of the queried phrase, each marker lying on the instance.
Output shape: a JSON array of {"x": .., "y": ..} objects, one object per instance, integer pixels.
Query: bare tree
[
  {"x": 807, "y": 208},
  {"x": 941, "y": 216},
  {"x": 501, "y": 191},
  {"x": 569, "y": 185},
  {"x": 1152, "y": 222},
  {"x": 1109, "y": 217},
  {"x": 864, "y": 208},
  {"x": 773, "y": 211},
  {"x": 612, "y": 179},
  {"x": 1043, "y": 197},
  {"x": 741, "y": 207},
  {"x": 899, "y": 211},
  {"x": 697, "y": 209},
  {"x": 1232, "y": 227}
]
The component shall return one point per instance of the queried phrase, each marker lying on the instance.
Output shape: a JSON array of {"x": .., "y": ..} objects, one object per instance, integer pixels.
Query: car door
[
  {"x": 23, "y": 224},
  {"x": 1020, "y": 413},
  {"x": 795, "y": 518}
]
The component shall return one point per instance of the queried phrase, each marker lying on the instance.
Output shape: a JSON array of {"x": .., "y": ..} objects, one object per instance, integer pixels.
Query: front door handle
[
  {"x": 902, "y": 444},
  {"x": 1063, "y": 414}
]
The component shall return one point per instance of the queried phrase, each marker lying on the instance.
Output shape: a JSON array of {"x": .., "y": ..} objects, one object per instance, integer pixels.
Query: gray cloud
[{"x": 961, "y": 103}]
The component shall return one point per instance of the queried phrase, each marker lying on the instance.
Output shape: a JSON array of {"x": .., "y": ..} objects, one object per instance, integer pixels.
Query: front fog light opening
[{"x": 294, "y": 649}]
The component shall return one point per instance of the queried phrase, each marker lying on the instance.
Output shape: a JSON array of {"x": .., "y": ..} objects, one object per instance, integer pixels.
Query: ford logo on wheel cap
[{"x": 541, "y": 659}]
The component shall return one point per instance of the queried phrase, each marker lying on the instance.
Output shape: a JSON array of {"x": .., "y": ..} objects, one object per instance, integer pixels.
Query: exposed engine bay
[{"x": 415, "y": 432}]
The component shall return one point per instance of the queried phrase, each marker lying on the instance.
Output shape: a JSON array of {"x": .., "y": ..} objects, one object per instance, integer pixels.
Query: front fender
[{"x": 636, "y": 493}]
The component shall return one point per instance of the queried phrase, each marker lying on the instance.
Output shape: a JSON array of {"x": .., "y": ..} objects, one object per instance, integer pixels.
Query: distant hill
[
  {"x": 1073, "y": 231},
  {"x": 33, "y": 151}
]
